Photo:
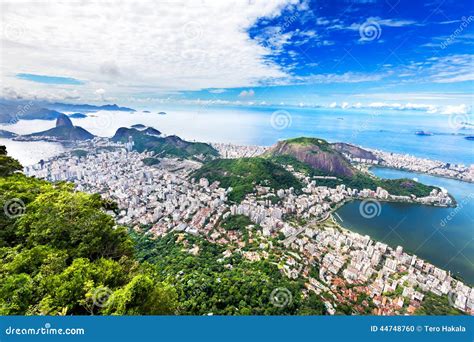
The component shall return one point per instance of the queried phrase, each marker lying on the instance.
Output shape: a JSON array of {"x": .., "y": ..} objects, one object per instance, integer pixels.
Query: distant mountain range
[
  {"x": 7, "y": 134},
  {"x": 65, "y": 107},
  {"x": 78, "y": 116},
  {"x": 11, "y": 111}
]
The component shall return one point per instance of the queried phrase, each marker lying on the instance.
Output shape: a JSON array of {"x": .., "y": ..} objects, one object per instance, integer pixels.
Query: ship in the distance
[{"x": 423, "y": 133}]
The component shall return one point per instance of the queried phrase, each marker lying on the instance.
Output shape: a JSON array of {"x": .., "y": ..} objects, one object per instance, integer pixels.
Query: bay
[{"x": 387, "y": 130}]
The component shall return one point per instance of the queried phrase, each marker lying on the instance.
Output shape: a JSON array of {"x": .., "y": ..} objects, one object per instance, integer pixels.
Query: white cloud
[
  {"x": 217, "y": 91},
  {"x": 447, "y": 69},
  {"x": 383, "y": 22},
  {"x": 129, "y": 47},
  {"x": 51, "y": 94},
  {"x": 348, "y": 77},
  {"x": 460, "y": 109},
  {"x": 247, "y": 93},
  {"x": 428, "y": 108}
]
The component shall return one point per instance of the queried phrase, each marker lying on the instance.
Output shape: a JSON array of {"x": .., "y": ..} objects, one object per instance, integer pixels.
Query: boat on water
[
  {"x": 470, "y": 137},
  {"x": 423, "y": 133}
]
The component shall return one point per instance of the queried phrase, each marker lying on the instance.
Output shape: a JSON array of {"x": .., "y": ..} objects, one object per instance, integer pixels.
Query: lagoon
[{"x": 442, "y": 236}]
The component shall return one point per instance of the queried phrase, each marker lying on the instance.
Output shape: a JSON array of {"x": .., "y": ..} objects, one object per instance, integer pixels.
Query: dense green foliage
[
  {"x": 244, "y": 173},
  {"x": 61, "y": 254},
  {"x": 236, "y": 222},
  {"x": 397, "y": 187},
  {"x": 8, "y": 165},
  {"x": 308, "y": 141},
  {"x": 79, "y": 153},
  {"x": 437, "y": 305},
  {"x": 150, "y": 161},
  {"x": 207, "y": 284}
]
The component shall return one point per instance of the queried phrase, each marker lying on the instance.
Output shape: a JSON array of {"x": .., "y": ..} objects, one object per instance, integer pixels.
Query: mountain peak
[
  {"x": 63, "y": 121},
  {"x": 315, "y": 152}
]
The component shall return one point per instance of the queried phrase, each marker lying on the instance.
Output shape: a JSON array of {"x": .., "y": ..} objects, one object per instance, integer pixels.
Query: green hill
[
  {"x": 170, "y": 146},
  {"x": 317, "y": 153},
  {"x": 316, "y": 157},
  {"x": 61, "y": 254},
  {"x": 244, "y": 173}
]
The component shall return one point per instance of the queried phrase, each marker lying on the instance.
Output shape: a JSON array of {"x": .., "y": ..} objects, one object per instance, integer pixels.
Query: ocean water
[
  {"x": 31, "y": 152},
  {"x": 442, "y": 236},
  {"x": 386, "y": 130}
]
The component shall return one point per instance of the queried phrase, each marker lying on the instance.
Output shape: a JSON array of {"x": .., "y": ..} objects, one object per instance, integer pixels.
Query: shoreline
[
  {"x": 338, "y": 224},
  {"x": 420, "y": 173},
  {"x": 69, "y": 145}
]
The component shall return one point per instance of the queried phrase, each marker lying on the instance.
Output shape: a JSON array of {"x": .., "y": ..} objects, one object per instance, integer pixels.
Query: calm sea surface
[
  {"x": 386, "y": 130},
  {"x": 423, "y": 230}
]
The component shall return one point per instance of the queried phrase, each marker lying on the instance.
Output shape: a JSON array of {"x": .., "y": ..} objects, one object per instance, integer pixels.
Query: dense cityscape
[{"x": 352, "y": 269}]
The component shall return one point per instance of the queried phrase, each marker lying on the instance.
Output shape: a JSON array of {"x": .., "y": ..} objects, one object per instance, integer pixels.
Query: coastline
[
  {"x": 133, "y": 214},
  {"x": 334, "y": 220},
  {"x": 420, "y": 173}
]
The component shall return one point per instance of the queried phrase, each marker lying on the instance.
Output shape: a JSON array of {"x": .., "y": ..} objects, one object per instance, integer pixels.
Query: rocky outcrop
[
  {"x": 316, "y": 153},
  {"x": 63, "y": 121},
  {"x": 64, "y": 131},
  {"x": 354, "y": 151}
]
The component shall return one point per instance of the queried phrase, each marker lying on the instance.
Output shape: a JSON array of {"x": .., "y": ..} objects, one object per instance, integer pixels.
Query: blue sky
[
  {"x": 286, "y": 52},
  {"x": 349, "y": 47},
  {"x": 48, "y": 79}
]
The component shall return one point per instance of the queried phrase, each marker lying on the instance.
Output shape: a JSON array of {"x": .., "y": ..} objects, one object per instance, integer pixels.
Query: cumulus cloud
[
  {"x": 247, "y": 93},
  {"x": 40, "y": 94},
  {"x": 217, "y": 91},
  {"x": 446, "y": 69},
  {"x": 348, "y": 77},
  {"x": 428, "y": 108},
  {"x": 451, "y": 109},
  {"x": 141, "y": 46}
]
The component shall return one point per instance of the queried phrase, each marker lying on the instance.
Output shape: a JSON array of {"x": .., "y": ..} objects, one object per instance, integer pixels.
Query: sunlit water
[{"x": 387, "y": 130}]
